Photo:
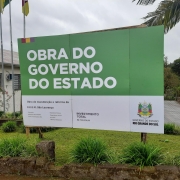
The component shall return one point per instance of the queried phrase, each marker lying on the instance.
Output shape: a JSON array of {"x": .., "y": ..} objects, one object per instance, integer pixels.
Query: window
[{"x": 17, "y": 82}]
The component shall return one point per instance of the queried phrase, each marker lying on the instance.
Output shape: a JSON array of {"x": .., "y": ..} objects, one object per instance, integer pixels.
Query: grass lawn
[{"x": 65, "y": 138}]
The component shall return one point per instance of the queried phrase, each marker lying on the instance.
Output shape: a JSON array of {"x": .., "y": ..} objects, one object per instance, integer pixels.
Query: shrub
[
  {"x": 17, "y": 114},
  {"x": 90, "y": 150},
  {"x": 20, "y": 116},
  {"x": 22, "y": 128},
  {"x": 15, "y": 147},
  {"x": 7, "y": 115},
  {"x": 141, "y": 154},
  {"x": 9, "y": 126},
  {"x": 1, "y": 113},
  {"x": 169, "y": 128},
  {"x": 177, "y": 130}
]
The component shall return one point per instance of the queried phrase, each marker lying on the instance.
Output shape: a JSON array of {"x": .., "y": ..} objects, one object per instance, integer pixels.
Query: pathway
[{"x": 171, "y": 112}]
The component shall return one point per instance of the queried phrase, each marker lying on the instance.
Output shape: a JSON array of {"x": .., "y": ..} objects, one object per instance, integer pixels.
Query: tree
[
  {"x": 171, "y": 80},
  {"x": 165, "y": 61},
  {"x": 176, "y": 67},
  {"x": 167, "y": 13}
]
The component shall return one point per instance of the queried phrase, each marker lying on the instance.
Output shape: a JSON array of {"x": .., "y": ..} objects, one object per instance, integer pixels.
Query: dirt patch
[{"x": 18, "y": 177}]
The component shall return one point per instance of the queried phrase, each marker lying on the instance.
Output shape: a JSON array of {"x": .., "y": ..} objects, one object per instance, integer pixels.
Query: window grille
[{"x": 17, "y": 82}]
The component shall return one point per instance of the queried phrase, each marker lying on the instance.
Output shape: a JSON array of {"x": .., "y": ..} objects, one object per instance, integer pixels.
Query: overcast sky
[{"x": 57, "y": 17}]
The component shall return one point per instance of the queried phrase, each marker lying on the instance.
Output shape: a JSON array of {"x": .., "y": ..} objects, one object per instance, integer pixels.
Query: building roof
[{"x": 7, "y": 58}]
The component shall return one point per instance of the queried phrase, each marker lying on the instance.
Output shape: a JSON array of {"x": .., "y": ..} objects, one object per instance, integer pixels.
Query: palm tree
[
  {"x": 145, "y": 2},
  {"x": 167, "y": 13}
]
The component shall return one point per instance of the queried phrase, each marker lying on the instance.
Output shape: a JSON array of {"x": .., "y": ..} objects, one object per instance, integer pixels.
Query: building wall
[{"x": 8, "y": 92}]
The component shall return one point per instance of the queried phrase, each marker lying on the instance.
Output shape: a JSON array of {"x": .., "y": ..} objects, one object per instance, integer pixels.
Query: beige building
[{"x": 8, "y": 85}]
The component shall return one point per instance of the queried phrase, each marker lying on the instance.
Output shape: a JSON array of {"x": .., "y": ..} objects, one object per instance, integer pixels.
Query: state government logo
[{"x": 145, "y": 110}]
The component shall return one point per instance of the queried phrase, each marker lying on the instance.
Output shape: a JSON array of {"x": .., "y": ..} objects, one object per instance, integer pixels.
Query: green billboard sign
[{"x": 98, "y": 80}]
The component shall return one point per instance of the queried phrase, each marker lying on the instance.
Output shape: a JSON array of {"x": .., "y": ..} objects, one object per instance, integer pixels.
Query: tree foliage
[
  {"x": 145, "y": 2},
  {"x": 176, "y": 67},
  {"x": 165, "y": 61},
  {"x": 171, "y": 80},
  {"x": 167, "y": 13}
]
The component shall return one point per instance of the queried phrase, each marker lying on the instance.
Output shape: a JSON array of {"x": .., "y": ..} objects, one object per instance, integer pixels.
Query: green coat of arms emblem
[{"x": 145, "y": 110}]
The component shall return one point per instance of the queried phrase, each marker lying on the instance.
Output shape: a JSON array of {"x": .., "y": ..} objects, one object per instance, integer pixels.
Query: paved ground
[{"x": 171, "y": 112}]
